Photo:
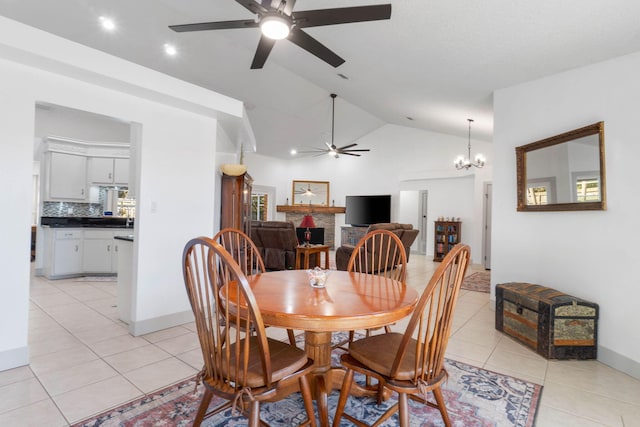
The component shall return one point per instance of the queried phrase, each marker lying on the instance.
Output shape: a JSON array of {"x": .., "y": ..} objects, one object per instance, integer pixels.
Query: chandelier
[{"x": 465, "y": 163}]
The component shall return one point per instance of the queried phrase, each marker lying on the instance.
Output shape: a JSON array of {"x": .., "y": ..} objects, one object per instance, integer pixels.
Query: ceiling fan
[
  {"x": 277, "y": 20},
  {"x": 306, "y": 192},
  {"x": 331, "y": 149}
]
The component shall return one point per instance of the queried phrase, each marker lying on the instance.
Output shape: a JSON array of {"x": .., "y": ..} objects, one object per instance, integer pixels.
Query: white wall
[
  {"x": 401, "y": 158},
  {"x": 176, "y": 170},
  {"x": 587, "y": 254}
]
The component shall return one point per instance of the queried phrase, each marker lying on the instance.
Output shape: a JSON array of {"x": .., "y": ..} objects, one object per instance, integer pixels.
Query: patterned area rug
[
  {"x": 479, "y": 282},
  {"x": 474, "y": 397}
]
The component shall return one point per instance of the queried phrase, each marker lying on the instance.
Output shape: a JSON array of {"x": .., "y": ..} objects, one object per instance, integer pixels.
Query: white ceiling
[{"x": 437, "y": 61}]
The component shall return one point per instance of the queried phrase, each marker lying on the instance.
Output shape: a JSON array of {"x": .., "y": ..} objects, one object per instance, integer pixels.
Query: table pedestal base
[{"x": 326, "y": 378}]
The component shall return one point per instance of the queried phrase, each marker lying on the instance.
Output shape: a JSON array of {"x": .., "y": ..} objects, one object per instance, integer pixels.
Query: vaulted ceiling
[{"x": 434, "y": 64}]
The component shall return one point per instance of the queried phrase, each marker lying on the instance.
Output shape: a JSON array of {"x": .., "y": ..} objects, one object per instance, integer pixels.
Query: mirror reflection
[
  {"x": 315, "y": 193},
  {"x": 564, "y": 172}
]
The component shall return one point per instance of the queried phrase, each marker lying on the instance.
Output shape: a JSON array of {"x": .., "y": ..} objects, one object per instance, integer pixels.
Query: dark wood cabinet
[
  {"x": 235, "y": 209},
  {"x": 447, "y": 235}
]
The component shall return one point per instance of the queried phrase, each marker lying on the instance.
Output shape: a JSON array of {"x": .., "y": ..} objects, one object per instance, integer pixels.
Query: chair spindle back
[
  {"x": 430, "y": 323},
  {"x": 380, "y": 252},
  {"x": 215, "y": 284}
]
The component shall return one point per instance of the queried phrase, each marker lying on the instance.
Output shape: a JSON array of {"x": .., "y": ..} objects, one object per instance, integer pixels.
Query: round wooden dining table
[{"x": 349, "y": 301}]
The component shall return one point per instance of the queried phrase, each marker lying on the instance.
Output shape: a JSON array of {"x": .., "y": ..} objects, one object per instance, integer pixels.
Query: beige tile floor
[{"x": 83, "y": 361}]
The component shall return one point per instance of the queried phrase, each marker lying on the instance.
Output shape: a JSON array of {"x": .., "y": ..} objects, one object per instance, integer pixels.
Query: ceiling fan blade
[
  {"x": 313, "y": 46},
  {"x": 342, "y": 15},
  {"x": 351, "y": 154},
  {"x": 351, "y": 151},
  {"x": 347, "y": 146},
  {"x": 262, "y": 52},
  {"x": 221, "y": 25},
  {"x": 329, "y": 146},
  {"x": 288, "y": 7},
  {"x": 255, "y": 7}
]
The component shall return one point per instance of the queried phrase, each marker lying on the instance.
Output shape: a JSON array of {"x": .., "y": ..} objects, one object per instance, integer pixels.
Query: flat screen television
[{"x": 362, "y": 211}]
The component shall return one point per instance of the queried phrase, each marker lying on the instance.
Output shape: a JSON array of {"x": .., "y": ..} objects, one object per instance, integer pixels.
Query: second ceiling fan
[
  {"x": 277, "y": 20},
  {"x": 332, "y": 149}
]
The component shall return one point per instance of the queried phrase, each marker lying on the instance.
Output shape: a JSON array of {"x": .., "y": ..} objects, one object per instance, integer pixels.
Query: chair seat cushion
[
  {"x": 378, "y": 352},
  {"x": 285, "y": 360}
]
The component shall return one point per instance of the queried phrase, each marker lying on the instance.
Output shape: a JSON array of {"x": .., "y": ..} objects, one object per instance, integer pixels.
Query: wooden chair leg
[
  {"x": 403, "y": 409},
  {"x": 344, "y": 395},
  {"x": 254, "y": 413},
  {"x": 305, "y": 390},
  {"x": 204, "y": 405},
  {"x": 292, "y": 338},
  {"x": 437, "y": 393}
]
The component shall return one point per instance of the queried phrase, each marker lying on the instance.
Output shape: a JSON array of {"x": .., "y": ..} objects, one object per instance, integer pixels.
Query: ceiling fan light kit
[
  {"x": 275, "y": 26},
  {"x": 278, "y": 21}
]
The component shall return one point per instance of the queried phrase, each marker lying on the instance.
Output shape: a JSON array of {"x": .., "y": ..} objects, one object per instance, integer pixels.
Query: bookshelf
[{"x": 447, "y": 235}]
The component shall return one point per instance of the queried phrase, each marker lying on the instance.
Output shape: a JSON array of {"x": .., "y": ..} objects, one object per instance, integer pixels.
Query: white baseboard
[
  {"x": 619, "y": 362},
  {"x": 14, "y": 358},
  {"x": 141, "y": 327}
]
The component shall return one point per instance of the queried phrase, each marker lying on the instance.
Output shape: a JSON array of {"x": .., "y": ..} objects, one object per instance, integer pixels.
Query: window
[
  {"x": 537, "y": 196},
  {"x": 259, "y": 203},
  {"x": 541, "y": 191},
  {"x": 587, "y": 190}
]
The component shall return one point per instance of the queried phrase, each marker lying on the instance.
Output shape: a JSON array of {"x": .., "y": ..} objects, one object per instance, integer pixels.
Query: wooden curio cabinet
[
  {"x": 235, "y": 209},
  {"x": 447, "y": 235}
]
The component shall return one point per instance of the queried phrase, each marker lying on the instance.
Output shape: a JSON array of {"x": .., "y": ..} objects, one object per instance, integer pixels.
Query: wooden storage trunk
[{"x": 554, "y": 324}]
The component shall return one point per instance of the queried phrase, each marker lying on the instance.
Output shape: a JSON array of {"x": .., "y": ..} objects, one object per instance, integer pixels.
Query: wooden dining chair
[
  {"x": 243, "y": 369},
  {"x": 382, "y": 253},
  {"x": 246, "y": 254},
  {"x": 411, "y": 363}
]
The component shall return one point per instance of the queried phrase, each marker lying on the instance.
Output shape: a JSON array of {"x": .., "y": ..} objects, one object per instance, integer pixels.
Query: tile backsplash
[
  {"x": 76, "y": 209},
  {"x": 71, "y": 209}
]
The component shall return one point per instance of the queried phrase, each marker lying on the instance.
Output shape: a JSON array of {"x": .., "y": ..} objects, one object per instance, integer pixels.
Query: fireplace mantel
[{"x": 303, "y": 209}]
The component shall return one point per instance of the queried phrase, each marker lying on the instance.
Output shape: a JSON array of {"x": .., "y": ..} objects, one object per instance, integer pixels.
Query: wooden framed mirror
[
  {"x": 314, "y": 193},
  {"x": 565, "y": 172}
]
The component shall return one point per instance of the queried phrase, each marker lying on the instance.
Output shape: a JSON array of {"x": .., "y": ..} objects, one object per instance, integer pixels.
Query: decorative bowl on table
[{"x": 318, "y": 277}]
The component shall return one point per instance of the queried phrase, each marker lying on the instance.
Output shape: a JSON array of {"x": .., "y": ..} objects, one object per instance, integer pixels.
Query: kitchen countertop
[{"x": 77, "y": 222}]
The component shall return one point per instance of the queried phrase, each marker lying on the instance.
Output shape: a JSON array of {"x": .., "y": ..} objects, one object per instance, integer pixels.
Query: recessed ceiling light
[
  {"x": 294, "y": 151},
  {"x": 170, "y": 49},
  {"x": 107, "y": 23}
]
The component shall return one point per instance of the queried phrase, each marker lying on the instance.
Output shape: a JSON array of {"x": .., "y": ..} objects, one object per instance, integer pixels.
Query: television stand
[{"x": 351, "y": 235}]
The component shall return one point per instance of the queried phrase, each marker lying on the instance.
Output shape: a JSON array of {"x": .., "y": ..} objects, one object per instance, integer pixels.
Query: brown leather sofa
[
  {"x": 405, "y": 232},
  {"x": 277, "y": 242}
]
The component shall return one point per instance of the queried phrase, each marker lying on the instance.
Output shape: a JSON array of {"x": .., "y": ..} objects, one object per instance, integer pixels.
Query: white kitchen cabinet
[
  {"x": 67, "y": 177},
  {"x": 98, "y": 251},
  {"x": 67, "y": 253},
  {"x": 81, "y": 251},
  {"x": 121, "y": 171},
  {"x": 107, "y": 170}
]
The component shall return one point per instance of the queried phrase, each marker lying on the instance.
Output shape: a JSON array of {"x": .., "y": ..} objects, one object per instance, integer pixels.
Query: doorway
[
  {"x": 486, "y": 234},
  {"x": 424, "y": 225}
]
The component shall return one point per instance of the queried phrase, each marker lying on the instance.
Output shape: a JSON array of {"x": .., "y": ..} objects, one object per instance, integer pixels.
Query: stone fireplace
[{"x": 324, "y": 217}]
